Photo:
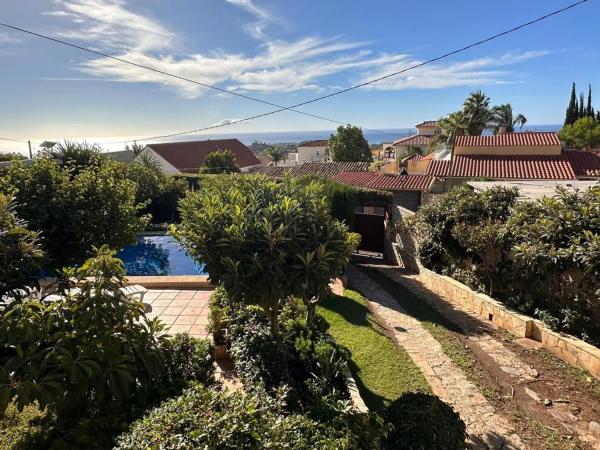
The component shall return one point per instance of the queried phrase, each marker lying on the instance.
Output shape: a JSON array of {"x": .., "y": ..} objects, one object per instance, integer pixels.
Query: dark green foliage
[
  {"x": 348, "y": 144},
  {"x": 423, "y": 422},
  {"x": 20, "y": 250},
  {"x": 541, "y": 257},
  {"x": 219, "y": 162},
  {"x": 276, "y": 153},
  {"x": 76, "y": 155},
  {"x": 75, "y": 208},
  {"x": 10, "y": 156},
  {"x": 584, "y": 133},
  {"x": 589, "y": 110},
  {"x": 261, "y": 239},
  {"x": 186, "y": 359},
  {"x": 572, "y": 113},
  {"x": 206, "y": 418}
]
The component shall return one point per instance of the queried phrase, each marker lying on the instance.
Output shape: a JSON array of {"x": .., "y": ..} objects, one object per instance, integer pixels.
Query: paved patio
[{"x": 181, "y": 310}]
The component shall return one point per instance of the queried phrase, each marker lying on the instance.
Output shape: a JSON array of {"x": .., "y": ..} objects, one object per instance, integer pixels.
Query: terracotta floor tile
[
  {"x": 161, "y": 302},
  {"x": 167, "y": 295},
  {"x": 180, "y": 303},
  {"x": 174, "y": 329},
  {"x": 185, "y": 295},
  {"x": 167, "y": 320},
  {"x": 201, "y": 320},
  {"x": 202, "y": 295},
  {"x": 151, "y": 295},
  {"x": 185, "y": 320},
  {"x": 197, "y": 329},
  {"x": 156, "y": 310},
  {"x": 173, "y": 310},
  {"x": 192, "y": 311}
]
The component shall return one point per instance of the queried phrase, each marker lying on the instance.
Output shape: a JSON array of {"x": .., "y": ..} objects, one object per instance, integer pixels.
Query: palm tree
[
  {"x": 148, "y": 161},
  {"x": 503, "y": 118},
  {"x": 476, "y": 110},
  {"x": 449, "y": 125},
  {"x": 275, "y": 153},
  {"x": 75, "y": 154}
]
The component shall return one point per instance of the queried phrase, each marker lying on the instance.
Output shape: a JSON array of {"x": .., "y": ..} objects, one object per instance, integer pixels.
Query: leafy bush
[
  {"x": 541, "y": 257},
  {"x": 74, "y": 209},
  {"x": 584, "y": 133},
  {"x": 206, "y": 418},
  {"x": 187, "y": 359},
  {"x": 20, "y": 251},
  {"x": 265, "y": 240},
  {"x": 96, "y": 347},
  {"x": 219, "y": 162},
  {"x": 423, "y": 422}
]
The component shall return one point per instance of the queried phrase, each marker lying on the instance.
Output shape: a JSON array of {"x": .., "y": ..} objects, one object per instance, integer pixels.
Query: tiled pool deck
[{"x": 181, "y": 310}]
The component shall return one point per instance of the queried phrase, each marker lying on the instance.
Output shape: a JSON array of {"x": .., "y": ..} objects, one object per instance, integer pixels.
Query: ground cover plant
[{"x": 541, "y": 257}]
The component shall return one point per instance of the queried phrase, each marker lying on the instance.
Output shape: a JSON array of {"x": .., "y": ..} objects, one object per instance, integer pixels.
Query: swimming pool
[{"x": 158, "y": 256}]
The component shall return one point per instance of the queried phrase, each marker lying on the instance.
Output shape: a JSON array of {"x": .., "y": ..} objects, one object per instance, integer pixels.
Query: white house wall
[{"x": 165, "y": 165}]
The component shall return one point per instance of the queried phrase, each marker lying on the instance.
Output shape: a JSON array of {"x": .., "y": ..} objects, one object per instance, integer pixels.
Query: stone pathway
[
  {"x": 481, "y": 334},
  {"x": 183, "y": 311},
  {"x": 487, "y": 429}
]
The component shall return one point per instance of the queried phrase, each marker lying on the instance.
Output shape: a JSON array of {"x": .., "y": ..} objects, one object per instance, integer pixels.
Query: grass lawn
[{"x": 382, "y": 370}]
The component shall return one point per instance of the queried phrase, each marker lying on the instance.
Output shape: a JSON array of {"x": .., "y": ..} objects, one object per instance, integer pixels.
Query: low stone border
[
  {"x": 568, "y": 348},
  {"x": 171, "y": 281},
  {"x": 355, "y": 396}
]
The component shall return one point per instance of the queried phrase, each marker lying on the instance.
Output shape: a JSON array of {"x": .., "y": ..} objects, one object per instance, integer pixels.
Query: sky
[{"x": 282, "y": 52}]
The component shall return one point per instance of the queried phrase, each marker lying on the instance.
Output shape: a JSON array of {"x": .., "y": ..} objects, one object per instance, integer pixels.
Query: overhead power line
[
  {"x": 13, "y": 140},
  {"x": 293, "y": 107}
]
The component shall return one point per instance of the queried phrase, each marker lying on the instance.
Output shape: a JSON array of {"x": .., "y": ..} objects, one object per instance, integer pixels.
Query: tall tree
[
  {"x": 572, "y": 111},
  {"x": 275, "y": 153},
  {"x": 219, "y": 162},
  {"x": 477, "y": 113},
  {"x": 349, "y": 144},
  {"x": 581, "y": 112},
  {"x": 589, "y": 111},
  {"x": 502, "y": 117}
]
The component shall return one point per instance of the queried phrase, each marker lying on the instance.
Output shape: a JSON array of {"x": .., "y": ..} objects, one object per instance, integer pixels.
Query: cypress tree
[
  {"x": 589, "y": 111},
  {"x": 571, "y": 114},
  {"x": 581, "y": 112}
]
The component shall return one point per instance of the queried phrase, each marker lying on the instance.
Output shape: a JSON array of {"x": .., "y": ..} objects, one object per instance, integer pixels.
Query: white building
[{"x": 311, "y": 151}]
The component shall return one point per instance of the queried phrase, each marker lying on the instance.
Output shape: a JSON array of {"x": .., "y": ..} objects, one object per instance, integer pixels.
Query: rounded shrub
[{"x": 423, "y": 422}]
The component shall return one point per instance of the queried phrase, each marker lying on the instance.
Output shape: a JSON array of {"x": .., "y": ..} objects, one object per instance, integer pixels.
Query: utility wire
[
  {"x": 12, "y": 140},
  {"x": 293, "y": 107}
]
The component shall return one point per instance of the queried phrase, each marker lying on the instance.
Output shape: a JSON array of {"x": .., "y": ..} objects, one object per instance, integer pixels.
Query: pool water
[{"x": 157, "y": 256}]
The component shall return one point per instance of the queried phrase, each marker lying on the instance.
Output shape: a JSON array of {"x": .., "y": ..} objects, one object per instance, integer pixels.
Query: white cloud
[
  {"x": 8, "y": 39},
  {"x": 109, "y": 24},
  {"x": 277, "y": 66},
  {"x": 229, "y": 121},
  {"x": 257, "y": 28}
]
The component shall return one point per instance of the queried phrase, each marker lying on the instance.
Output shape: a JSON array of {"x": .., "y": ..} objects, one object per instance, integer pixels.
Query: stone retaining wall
[{"x": 568, "y": 348}]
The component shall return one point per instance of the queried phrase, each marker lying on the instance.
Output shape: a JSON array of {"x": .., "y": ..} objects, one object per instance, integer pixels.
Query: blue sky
[{"x": 284, "y": 52}]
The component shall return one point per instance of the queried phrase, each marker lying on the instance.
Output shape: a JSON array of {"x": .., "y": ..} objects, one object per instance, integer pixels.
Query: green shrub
[
  {"x": 187, "y": 359},
  {"x": 218, "y": 313},
  {"x": 205, "y": 418},
  {"x": 75, "y": 209},
  {"x": 20, "y": 250},
  {"x": 423, "y": 422}
]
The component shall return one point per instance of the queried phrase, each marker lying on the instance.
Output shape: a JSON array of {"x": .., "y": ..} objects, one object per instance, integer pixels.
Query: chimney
[{"x": 502, "y": 130}]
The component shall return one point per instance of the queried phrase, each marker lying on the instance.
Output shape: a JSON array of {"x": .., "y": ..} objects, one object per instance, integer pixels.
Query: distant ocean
[{"x": 374, "y": 137}]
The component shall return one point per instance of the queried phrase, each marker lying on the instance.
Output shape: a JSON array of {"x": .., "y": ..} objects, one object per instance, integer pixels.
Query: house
[
  {"x": 425, "y": 132},
  {"x": 188, "y": 157},
  {"x": 310, "y": 151},
  {"x": 535, "y": 190},
  {"x": 409, "y": 191},
  {"x": 509, "y": 156}
]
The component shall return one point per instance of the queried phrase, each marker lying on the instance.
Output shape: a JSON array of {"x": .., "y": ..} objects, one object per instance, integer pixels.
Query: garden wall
[
  {"x": 568, "y": 348},
  {"x": 401, "y": 245}
]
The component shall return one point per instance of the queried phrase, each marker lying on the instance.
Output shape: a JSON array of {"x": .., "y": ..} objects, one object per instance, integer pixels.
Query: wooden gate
[{"x": 369, "y": 222}]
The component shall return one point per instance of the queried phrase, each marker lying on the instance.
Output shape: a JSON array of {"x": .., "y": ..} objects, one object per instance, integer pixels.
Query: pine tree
[
  {"x": 581, "y": 112},
  {"x": 589, "y": 111},
  {"x": 571, "y": 114}
]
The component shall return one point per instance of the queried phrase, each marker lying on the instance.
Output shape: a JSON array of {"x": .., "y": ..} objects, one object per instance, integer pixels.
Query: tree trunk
[
  {"x": 310, "y": 313},
  {"x": 274, "y": 320}
]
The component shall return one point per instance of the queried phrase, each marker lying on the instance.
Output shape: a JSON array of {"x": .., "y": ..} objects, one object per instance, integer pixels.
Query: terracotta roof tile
[
  {"x": 584, "y": 163},
  {"x": 188, "y": 157},
  {"x": 427, "y": 123},
  {"x": 551, "y": 167},
  {"x": 417, "y": 139},
  {"x": 324, "y": 169},
  {"x": 386, "y": 182},
  {"x": 509, "y": 139},
  {"x": 318, "y": 143}
]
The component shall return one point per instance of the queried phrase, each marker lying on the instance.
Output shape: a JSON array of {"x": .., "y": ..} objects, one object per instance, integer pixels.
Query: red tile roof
[
  {"x": 417, "y": 139},
  {"x": 534, "y": 167},
  {"x": 414, "y": 157},
  {"x": 584, "y": 163},
  {"x": 319, "y": 143},
  {"x": 188, "y": 157},
  {"x": 386, "y": 182},
  {"x": 427, "y": 123},
  {"x": 324, "y": 169},
  {"x": 509, "y": 139}
]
